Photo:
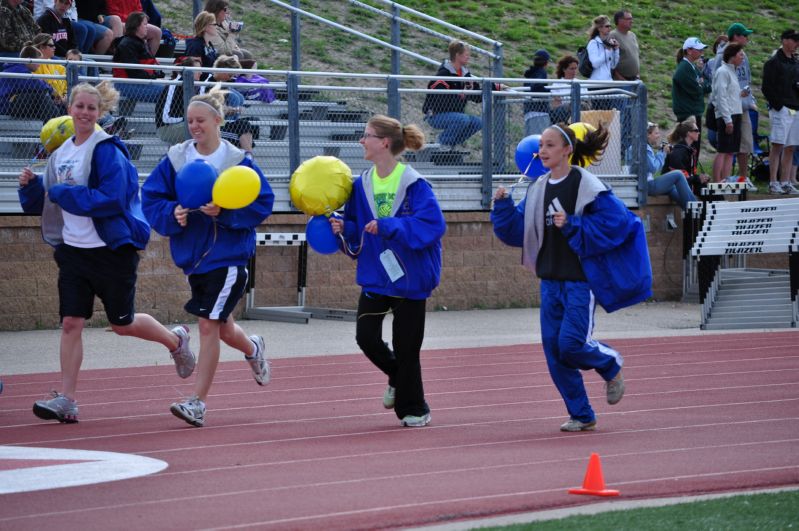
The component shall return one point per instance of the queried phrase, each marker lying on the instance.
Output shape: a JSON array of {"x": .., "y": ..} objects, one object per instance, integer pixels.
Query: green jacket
[{"x": 688, "y": 89}]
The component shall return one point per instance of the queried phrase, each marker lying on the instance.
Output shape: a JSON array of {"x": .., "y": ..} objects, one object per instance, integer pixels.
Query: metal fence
[{"x": 297, "y": 115}]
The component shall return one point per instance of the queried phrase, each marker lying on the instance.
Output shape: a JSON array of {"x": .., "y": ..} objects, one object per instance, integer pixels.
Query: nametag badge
[{"x": 391, "y": 265}]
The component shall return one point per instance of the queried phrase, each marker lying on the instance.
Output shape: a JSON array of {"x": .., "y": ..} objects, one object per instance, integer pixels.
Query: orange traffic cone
[{"x": 594, "y": 483}]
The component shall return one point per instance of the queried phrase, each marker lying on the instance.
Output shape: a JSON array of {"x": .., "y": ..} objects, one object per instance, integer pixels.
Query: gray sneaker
[
  {"x": 191, "y": 410},
  {"x": 389, "y": 397},
  {"x": 261, "y": 370},
  {"x": 413, "y": 421},
  {"x": 615, "y": 388},
  {"x": 576, "y": 425},
  {"x": 183, "y": 356},
  {"x": 58, "y": 408},
  {"x": 789, "y": 188}
]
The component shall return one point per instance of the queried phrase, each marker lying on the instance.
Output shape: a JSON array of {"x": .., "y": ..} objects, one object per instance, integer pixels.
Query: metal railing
[{"x": 324, "y": 113}]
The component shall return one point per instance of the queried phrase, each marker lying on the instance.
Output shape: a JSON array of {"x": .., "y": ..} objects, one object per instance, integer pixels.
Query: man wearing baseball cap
[
  {"x": 737, "y": 33},
  {"x": 688, "y": 85},
  {"x": 781, "y": 89}
]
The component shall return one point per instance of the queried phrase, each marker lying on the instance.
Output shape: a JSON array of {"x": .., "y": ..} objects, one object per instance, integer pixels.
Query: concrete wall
[{"x": 479, "y": 271}]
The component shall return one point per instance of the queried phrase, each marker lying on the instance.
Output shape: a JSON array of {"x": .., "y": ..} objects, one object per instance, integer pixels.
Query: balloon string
[
  {"x": 348, "y": 249},
  {"x": 197, "y": 264}
]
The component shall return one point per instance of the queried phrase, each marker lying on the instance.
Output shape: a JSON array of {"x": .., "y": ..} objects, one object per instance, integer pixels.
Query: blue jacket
[
  {"x": 12, "y": 86},
  {"x": 204, "y": 244},
  {"x": 608, "y": 239},
  {"x": 413, "y": 232},
  {"x": 111, "y": 197}
]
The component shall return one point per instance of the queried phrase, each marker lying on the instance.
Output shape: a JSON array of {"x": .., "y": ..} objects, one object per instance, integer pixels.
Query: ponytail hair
[
  {"x": 400, "y": 137},
  {"x": 589, "y": 149}
]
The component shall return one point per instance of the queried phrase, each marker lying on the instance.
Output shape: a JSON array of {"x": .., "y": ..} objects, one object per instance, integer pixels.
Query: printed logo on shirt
[
  {"x": 64, "y": 172},
  {"x": 60, "y": 35},
  {"x": 384, "y": 203},
  {"x": 553, "y": 208}
]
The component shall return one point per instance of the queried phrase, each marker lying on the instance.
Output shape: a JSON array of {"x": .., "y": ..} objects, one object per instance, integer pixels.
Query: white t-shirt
[
  {"x": 215, "y": 159},
  {"x": 78, "y": 231}
]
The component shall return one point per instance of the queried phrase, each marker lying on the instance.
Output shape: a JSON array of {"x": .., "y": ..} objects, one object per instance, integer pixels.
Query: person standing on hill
[
  {"x": 629, "y": 66},
  {"x": 395, "y": 224},
  {"x": 781, "y": 89},
  {"x": 689, "y": 86}
]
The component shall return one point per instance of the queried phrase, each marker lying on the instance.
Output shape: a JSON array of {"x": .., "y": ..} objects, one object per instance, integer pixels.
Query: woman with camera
[
  {"x": 603, "y": 51},
  {"x": 671, "y": 183}
]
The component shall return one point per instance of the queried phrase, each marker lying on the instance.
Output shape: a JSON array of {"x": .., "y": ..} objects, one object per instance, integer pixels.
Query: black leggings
[{"x": 402, "y": 366}]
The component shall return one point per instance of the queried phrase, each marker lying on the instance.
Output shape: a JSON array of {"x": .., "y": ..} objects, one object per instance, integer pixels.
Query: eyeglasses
[
  {"x": 693, "y": 130},
  {"x": 50, "y": 44},
  {"x": 607, "y": 26},
  {"x": 370, "y": 135}
]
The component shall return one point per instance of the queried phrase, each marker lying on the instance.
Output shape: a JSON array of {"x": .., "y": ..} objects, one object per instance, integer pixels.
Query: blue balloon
[
  {"x": 527, "y": 157},
  {"x": 194, "y": 183},
  {"x": 320, "y": 235}
]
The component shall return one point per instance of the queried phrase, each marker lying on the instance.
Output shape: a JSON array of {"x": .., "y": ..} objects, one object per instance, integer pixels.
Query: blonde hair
[
  {"x": 401, "y": 137},
  {"x": 227, "y": 61},
  {"x": 214, "y": 98},
  {"x": 599, "y": 22},
  {"x": 39, "y": 40},
  {"x": 107, "y": 95},
  {"x": 202, "y": 21}
]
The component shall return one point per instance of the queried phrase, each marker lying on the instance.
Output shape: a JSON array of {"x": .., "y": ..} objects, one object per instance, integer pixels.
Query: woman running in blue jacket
[
  {"x": 211, "y": 244},
  {"x": 394, "y": 225},
  {"x": 586, "y": 247}
]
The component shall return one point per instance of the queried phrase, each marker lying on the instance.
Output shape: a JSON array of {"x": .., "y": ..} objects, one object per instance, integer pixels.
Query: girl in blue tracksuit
[
  {"x": 586, "y": 247},
  {"x": 211, "y": 244},
  {"x": 89, "y": 202},
  {"x": 394, "y": 225}
]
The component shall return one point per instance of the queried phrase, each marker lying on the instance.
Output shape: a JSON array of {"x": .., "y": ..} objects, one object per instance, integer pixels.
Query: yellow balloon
[
  {"x": 320, "y": 185},
  {"x": 236, "y": 187},
  {"x": 57, "y": 131},
  {"x": 580, "y": 130}
]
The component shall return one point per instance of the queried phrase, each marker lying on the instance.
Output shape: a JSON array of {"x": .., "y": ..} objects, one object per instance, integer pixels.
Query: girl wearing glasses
[
  {"x": 586, "y": 247},
  {"x": 44, "y": 43},
  {"x": 393, "y": 225},
  {"x": 603, "y": 51}
]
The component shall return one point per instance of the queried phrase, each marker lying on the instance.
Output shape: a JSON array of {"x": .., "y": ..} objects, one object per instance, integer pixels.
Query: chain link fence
[{"x": 293, "y": 116}]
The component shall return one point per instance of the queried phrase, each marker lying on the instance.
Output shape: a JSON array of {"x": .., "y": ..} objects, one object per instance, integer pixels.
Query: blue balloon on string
[
  {"x": 319, "y": 235},
  {"x": 527, "y": 157},
  {"x": 194, "y": 183}
]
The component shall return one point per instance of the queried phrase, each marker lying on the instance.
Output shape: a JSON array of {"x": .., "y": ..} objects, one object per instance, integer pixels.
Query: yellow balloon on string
[
  {"x": 236, "y": 187},
  {"x": 57, "y": 131},
  {"x": 320, "y": 185}
]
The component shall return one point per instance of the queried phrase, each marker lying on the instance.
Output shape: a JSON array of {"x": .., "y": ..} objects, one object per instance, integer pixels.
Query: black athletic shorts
[
  {"x": 108, "y": 274},
  {"x": 215, "y": 294}
]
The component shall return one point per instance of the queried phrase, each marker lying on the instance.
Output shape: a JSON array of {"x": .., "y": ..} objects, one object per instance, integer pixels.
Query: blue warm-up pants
[{"x": 567, "y": 321}]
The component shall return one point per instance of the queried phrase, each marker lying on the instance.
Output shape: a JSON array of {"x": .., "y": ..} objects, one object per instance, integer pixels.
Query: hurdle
[
  {"x": 289, "y": 314},
  {"x": 730, "y": 229}
]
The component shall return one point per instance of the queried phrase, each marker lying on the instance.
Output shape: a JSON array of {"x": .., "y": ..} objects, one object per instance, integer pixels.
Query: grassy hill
[{"x": 521, "y": 25}]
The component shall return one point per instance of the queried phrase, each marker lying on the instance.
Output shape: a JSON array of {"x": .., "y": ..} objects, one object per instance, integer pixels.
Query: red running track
[{"x": 315, "y": 448}]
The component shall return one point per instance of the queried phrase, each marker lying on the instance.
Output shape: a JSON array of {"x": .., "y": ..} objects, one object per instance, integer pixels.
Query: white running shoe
[
  {"x": 573, "y": 425},
  {"x": 389, "y": 397},
  {"x": 191, "y": 410},
  {"x": 788, "y": 188},
  {"x": 183, "y": 356},
  {"x": 261, "y": 370},
  {"x": 413, "y": 421},
  {"x": 775, "y": 188}
]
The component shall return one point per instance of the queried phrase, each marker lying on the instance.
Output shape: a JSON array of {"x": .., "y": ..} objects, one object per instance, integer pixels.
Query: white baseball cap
[{"x": 693, "y": 42}]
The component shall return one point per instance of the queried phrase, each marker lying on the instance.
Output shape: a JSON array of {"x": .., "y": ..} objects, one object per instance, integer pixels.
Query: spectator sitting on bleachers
[
  {"x": 202, "y": 44},
  {"x": 17, "y": 27},
  {"x": 536, "y": 111},
  {"x": 238, "y": 131},
  {"x": 44, "y": 43},
  {"x": 55, "y": 22},
  {"x": 96, "y": 12},
  {"x": 226, "y": 41},
  {"x": 89, "y": 36},
  {"x": 132, "y": 48},
  {"x": 445, "y": 109},
  {"x": 29, "y": 98},
  {"x": 684, "y": 156},
  {"x": 169, "y": 109},
  {"x": 125, "y": 8}
]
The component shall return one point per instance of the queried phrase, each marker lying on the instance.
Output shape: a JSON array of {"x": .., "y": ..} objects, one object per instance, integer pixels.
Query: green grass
[{"x": 745, "y": 513}]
